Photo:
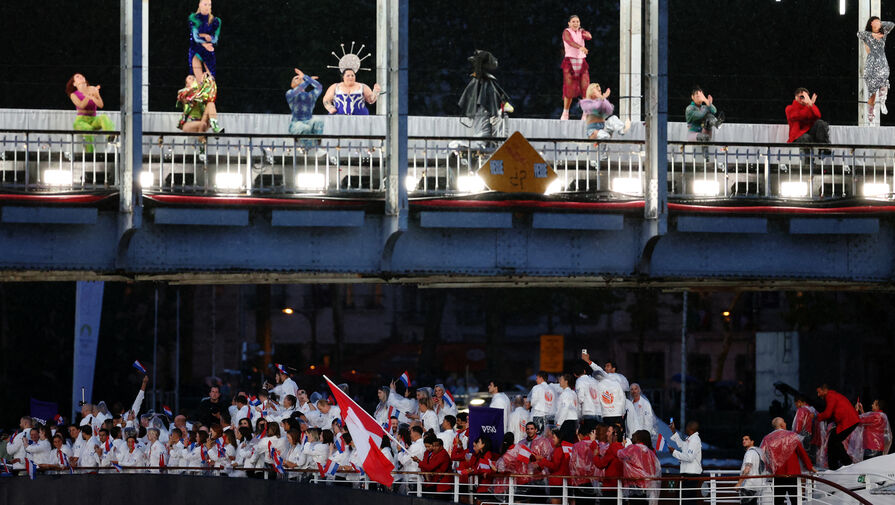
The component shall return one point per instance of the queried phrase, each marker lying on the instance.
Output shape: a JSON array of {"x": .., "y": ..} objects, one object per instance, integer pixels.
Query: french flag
[
  {"x": 116, "y": 466},
  {"x": 405, "y": 378},
  {"x": 282, "y": 369},
  {"x": 523, "y": 453},
  {"x": 337, "y": 442},
  {"x": 5, "y": 468},
  {"x": 140, "y": 368},
  {"x": 59, "y": 420},
  {"x": 168, "y": 412},
  {"x": 254, "y": 401},
  {"x": 448, "y": 398},
  {"x": 660, "y": 444},
  {"x": 367, "y": 435},
  {"x": 31, "y": 468}
]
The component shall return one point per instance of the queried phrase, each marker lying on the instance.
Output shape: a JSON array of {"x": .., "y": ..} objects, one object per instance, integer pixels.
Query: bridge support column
[
  {"x": 866, "y": 8},
  {"x": 629, "y": 78},
  {"x": 396, "y": 126},
  {"x": 131, "y": 127},
  {"x": 656, "y": 190}
]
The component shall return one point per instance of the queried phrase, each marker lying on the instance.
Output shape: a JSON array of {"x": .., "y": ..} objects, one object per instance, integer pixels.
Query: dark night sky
[{"x": 749, "y": 55}]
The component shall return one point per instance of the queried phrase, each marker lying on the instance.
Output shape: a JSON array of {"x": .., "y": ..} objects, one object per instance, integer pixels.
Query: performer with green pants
[{"x": 87, "y": 99}]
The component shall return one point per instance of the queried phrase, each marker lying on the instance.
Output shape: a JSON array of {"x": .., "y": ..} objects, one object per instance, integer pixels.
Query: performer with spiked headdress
[{"x": 350, "y": 97}]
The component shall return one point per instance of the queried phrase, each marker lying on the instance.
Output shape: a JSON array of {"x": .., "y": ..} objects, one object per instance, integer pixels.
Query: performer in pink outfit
[{"x": 575, "y": 76}]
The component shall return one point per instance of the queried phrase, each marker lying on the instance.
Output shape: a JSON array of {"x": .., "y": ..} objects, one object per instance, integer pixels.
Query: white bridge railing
[{"x": 715, "y": 487}]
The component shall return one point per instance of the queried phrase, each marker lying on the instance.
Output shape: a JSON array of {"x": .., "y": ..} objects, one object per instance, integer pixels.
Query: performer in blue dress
[{"x": 205, "y": 29}]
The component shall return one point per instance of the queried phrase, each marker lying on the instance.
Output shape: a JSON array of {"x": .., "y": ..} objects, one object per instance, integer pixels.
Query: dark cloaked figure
[{"x": 483, "y": 100}]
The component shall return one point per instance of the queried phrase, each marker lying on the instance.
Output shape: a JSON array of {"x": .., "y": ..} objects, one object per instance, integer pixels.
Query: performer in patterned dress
[
  {"x": 876, "y": 68},
  {"x": 199, "y": 111}
]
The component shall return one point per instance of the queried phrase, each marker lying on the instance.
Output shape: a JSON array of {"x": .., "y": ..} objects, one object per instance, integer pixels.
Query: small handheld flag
[
  {"x": 254, "y": 401},
  {"x": 168, "y": 412},
  {"x": 117, "y": 467},
  {"x": 523, "y": 453},
  {"x": 282, "y": 369},
  {"x": 405, "y": 378},
  {"x": 660, "y": 444},
  {"x": 140, "y": 368},
  {"x": 32, "y": 470},
  {"x": 58, "y": 419},
  {"x": 448, "y": 398}
]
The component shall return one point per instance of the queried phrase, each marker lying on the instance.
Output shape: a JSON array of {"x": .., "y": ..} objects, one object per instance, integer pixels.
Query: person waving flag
[{"x": 367, "y": 435}]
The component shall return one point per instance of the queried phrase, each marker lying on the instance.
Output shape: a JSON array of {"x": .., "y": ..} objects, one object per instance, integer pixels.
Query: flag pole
[{"x": 389, "y": 435}]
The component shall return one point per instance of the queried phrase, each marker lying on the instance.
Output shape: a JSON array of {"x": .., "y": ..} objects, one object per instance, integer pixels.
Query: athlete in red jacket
[{"x": 840, "y": 411}]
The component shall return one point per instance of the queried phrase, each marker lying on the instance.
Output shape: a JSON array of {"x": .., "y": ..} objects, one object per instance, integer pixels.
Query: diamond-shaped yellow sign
[{"x": 516, "y": 167}]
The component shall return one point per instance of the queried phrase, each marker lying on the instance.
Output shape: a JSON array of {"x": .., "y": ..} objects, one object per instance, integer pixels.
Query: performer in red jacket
[
  {"x": 841, "y": 412},
  {"x": 805, "y": 125}
]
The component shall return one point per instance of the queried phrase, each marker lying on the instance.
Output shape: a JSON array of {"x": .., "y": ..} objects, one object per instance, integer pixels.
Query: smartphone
[
  {"x": 671, "y": 421},
  {"x": 584, "y": 351}
]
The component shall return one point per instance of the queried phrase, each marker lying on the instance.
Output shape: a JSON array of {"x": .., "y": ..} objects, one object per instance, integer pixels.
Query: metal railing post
[
  {"x": 419, "y": 486},
  {"x": 798, "y": 491},
  {"x": 767, "y": 173},
  {"x": 713, "y": 486},
  {"x": 456, "y": 488},
  {"x": 565, "y": 492},
  {"x": 511, "y": 490},
  {"x": 619, "y": 492}
]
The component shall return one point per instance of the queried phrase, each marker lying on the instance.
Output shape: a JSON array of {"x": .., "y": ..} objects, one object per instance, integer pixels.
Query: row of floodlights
[{"x": 230, "y": 181}]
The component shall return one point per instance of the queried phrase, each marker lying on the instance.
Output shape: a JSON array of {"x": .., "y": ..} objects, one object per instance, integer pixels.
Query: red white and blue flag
[
  {"x": 282, "y": 369},
  {"x": 5, "y": 468},
  {"x": 330, "y": 469},
  {"x": 660, "y": 444},
  {"x": 276, "y": 459},
  {"x": 66, "y": 463},
  {"x": 59, "y": 420},
  {"x": 448, "y": 398},
  {"x": 254, "y": 401},
  {"x": 31, "y": 468},
  {"x": 405, "y": 378},
  {"x": 139, "y": 366},
  {"x": 117, "y": 467},
  {"x": 338, "y": 443},
  {"x": 168, "y": 412}
]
